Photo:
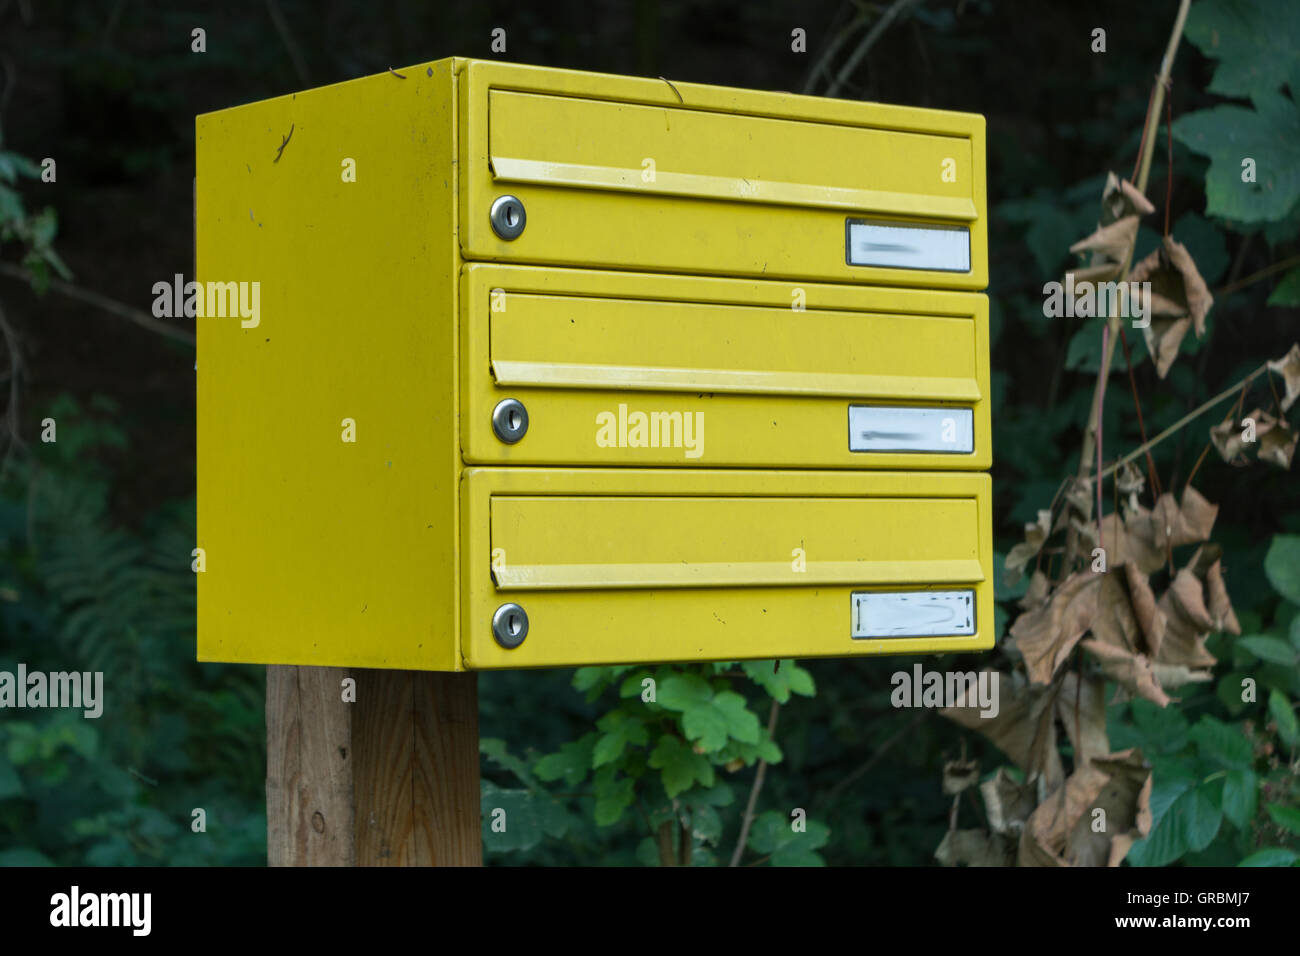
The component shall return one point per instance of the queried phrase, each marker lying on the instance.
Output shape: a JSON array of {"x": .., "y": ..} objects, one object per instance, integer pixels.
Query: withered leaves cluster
[{"x": 1147, "y": 645}]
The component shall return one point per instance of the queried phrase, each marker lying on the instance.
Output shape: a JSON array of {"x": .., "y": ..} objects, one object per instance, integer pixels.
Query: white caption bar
[
  {"x": 899, "y": 246},
  {"x": 911, "y": 428},
  {"x": 913, "y": 613}
]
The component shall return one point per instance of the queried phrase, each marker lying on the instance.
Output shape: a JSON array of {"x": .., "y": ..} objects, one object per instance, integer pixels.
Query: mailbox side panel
[{"x": 319, "y": 550}]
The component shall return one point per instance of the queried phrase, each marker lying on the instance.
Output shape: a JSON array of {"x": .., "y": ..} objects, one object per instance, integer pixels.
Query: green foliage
[
  {"x": 1258, "y": 49},
  {"x": 79, "y": 591},
  {"x": 35, "y": 231},
  {"x": 668, "y": 736},
  {"x": 1218, "y": 792}
]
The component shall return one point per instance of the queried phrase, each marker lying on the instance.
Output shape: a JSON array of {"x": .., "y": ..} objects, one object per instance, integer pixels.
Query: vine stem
[
  {"x": 1176, "y": 426},
  {"x": 754, "y": 791},
  {"x": 1090, "y": 434}
]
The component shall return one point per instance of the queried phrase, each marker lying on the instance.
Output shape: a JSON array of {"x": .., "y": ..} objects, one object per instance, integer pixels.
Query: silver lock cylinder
[
  {"x": 510, "y": 420},
  {"x": 508, "y": 217},
  {"x": 510, "y": 626}
]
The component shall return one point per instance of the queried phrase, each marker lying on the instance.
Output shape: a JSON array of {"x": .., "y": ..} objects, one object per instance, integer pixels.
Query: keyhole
[{"x": 515, "y": 420}]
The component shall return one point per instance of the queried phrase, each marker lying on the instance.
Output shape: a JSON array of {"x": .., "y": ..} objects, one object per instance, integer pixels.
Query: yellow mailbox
[{"x": 501, "y": 366}]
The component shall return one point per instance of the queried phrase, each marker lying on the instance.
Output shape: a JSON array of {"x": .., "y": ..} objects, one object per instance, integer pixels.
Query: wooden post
[{"x": 390, "y": 780}]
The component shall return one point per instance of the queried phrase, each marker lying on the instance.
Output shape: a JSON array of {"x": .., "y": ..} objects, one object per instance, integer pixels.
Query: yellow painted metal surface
[
  {"x": 633, "y": 565},
  {"x": 355, "y": 506},
  {"x": 629, "y": 173},
  {"x": 767, "y": 385},
  {"x": 320, "y": 551}
]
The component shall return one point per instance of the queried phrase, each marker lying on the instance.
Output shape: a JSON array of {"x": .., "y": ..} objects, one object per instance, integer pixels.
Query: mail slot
[
  {"x": 626, "y": 173},
  {"x": 624, "y": 369},
  {"x": 553, "y": 368},
  {"x": 636, "y": 565}
]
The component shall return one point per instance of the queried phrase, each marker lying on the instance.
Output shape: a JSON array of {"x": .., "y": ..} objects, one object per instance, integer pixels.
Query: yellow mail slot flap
[
  {"x": 595, "y": 144},
  {"x": 596, "y": 542},
  {"x": 624, "y": 173},
  {"x": 565, "y": 567},
  {"x": 573, "y": 342},
  {"x": 872, "y": 379}
]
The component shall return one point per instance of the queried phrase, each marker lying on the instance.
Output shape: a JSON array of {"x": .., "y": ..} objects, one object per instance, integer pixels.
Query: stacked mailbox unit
[{"x": 556, "y": 368}]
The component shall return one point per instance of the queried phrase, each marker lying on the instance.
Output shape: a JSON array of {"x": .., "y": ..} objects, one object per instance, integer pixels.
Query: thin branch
[
  {"x": 868, "y": 41},
  {"x": 753, "y": 791},
  {"x": 822, "y": 66},
  {"x": 1144, "y": 174},
  {"x": 111, "y": 306},
  {"x": 1193, "y": 414},
  {"x": 1256, "y": 276}
]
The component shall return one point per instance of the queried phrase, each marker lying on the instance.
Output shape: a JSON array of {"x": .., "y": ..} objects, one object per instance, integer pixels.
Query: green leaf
[
  {"x": 719, "y": 795},
  {"x": 1283, "y": 714},
  {"x": 773, "y": 835},
  {"x": 1240, "y": 797},
  {"x": 1282, "y": 566},
  {"x": 572, "y": 761},
  {"x": 620, "y": 729},
  {"x": 614, "y": 794},
  {"x": 681, "y": 766},
  {"x": 1222, "y": 743},
  {"x": 1288, "y": 818},
  {"x": 1190, "y": 823},
  {"x": 511, "y": 818},
  {"x": 1272, "y": 856},
  {"x": 1269, "y": 648},
  {"x": 1163, "y": 729},
  {"x": 496, "y": 750},
  {"x": 741, "y": 722},
  {"x": 11, "y": 785},
  {"x": 780, "y": 678},
  {"x": 1268, "y": 134},
  {"x": 1257, "y": 44},
  {"x": 683, "y": 692},
  {"x": 1287, "y": 292}
]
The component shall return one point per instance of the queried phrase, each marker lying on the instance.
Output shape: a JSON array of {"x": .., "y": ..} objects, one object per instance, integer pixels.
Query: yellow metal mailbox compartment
[
  {"x": 630, "y": 369},
  {"x": 355, "y": 506},
  {"x": 628, "y": 173},
  {"x": 642, "y": 565}
]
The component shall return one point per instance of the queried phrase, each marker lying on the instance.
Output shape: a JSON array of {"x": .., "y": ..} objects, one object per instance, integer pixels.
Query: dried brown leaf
[
  {"x": 1047, "y": 635},
  {"x": 1104, "y": 839},
  {"x": 1110, "y": 242},
  {"x": 1007, "y": 802},
  {"x": 1177, "y": 288},
  {"x": 1036, "y": 594},
  {"x": 1121, "y": 198},
  {"x": 1134, "y": 672},
  {"x": 1288, "y": 366},
  {"x": 1222, "y": 616},
  {"x": 1024, "y": 727},
  {"x": 958, "y": 775},
  {"x": 1277, "y": 445},
  {"x": 1021, "y": 554},
  {"x": 1043, "y": 841},
  {"x": 1081, "y": 707}
]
